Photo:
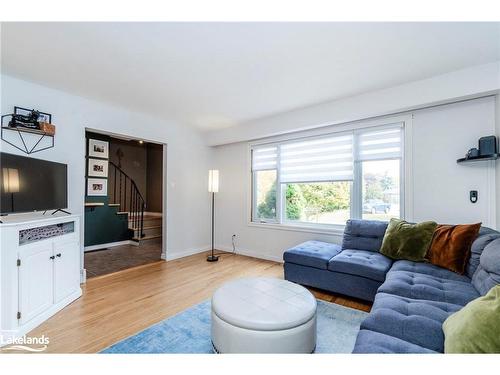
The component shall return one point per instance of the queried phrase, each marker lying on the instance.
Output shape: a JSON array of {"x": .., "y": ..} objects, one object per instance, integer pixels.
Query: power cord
[{"x": 233, "y": 238}]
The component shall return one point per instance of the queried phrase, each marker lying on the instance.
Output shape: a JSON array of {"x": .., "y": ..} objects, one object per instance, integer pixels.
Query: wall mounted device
[{"x": 473, "y": 196}]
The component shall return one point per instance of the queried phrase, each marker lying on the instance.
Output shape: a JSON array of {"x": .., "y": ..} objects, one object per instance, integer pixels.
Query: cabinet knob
[
  {"x": 52, "y": 257},
  {"x": 58, "y": 255}
]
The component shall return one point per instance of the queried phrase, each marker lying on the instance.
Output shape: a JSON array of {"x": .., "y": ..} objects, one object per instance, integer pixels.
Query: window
[
  {"x": 318, "y": 203},
  {"x": 324, "y": 181},
  {"x": 265, "y": 198},
  {"x": 381, "y": 192}
]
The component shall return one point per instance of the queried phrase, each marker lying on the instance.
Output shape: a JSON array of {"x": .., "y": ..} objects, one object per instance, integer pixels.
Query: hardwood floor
[{"x": 118, "y": 305}]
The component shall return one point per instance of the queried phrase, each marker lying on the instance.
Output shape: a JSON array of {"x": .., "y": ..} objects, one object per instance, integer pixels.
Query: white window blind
[
  {"x": 380, "y": 144},
  {"x": 264, "y": 158},
  {"x": 317, "y": 159}
]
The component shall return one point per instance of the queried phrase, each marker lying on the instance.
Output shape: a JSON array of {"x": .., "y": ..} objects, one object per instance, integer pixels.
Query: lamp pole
[{"x": 213, "y": 183}]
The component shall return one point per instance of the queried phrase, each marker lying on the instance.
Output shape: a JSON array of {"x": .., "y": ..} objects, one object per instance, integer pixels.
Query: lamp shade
[
  {"x": 10, "y": 180},
  {"x": 213, "y": 181}
]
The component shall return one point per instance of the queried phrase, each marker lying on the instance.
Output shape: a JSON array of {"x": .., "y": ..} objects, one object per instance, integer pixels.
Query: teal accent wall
[{"x": 102, "y": 224}]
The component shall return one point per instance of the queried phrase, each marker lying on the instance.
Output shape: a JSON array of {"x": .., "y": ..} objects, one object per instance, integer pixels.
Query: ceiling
[{"x": 216, "y": 75}]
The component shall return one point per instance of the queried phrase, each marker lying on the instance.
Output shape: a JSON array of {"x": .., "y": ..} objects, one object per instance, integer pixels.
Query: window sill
[{"x": 337, "y": 230}]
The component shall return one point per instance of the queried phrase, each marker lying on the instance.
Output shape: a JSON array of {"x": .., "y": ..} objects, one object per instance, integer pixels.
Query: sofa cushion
[
  {"x": 415, "y": 321},
  {"x": 451, "y": 244},
  {"x": 361, "y": 263},
  {"x": 486, "y": 235},
  {"x": 315, "y": 254},
  {"x": 404, "y": 240},
  {"x": 363, "y": 235},
  {"x": 487, "y": 274},
  {"x": 425, "y": 287},
  {"x": 427, "y": 269},
  {"x": 475, "y": 328},
  {"x": 375, "y": 342}
]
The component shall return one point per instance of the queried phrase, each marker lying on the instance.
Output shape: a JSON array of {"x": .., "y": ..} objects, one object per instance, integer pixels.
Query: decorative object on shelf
[
  {"x": 98, "y": 149},
  {"x": 488, "y": 145},
  {"x": 97, "y": 168},
  {"x": 47, "y": 128},
  {"x": 213, "y": 187},
  {"x": 97, "y": 187},
  {"x": 29, "y": 118},
  {"x": 487, "y": 150},
  {"x": 33, "y": 124},
  {"x": 472, "y": 153}
]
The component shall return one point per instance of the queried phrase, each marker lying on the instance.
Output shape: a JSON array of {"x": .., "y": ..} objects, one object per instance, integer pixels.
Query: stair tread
[
  {"x": 144, "y": 228},
  {"x": 146, "y": 237},
  {"x": 131, "y": 218}
]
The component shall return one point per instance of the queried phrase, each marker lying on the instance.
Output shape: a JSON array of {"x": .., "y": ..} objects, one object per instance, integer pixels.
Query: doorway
[{"x": 124, "y": 222}]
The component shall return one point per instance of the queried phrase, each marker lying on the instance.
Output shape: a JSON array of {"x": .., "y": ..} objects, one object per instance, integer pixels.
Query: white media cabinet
[{"x": 39, "y": 269}]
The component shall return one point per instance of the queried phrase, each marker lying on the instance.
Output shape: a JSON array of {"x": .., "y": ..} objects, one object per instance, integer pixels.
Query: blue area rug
[{"x": 189, "y": 332}]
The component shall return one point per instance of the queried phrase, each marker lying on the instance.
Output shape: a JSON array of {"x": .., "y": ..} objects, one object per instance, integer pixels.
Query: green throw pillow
[
  {"x": 403, "y": 240},
  {"x": 476, "y": 327}
]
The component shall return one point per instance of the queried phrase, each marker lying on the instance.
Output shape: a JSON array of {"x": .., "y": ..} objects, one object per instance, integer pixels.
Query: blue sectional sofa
[{"x": 410, "y": 300}]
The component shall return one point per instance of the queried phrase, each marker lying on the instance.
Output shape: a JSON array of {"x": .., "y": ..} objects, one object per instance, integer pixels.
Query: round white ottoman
[{"x": 263, "y": 315}]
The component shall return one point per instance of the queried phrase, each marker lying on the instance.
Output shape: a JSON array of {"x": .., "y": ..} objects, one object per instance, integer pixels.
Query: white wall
[
  {"x": 450, "y": 87},
  {"x": 440, "y": 186},
  {"x": 187, "y": 206},
  {"x": 497, "y": 121}
]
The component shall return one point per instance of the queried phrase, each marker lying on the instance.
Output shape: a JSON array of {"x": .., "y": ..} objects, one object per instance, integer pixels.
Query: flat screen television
[{"x": 30, "y": 184}]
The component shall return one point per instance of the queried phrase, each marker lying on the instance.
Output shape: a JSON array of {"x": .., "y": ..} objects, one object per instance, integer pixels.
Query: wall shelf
[
  {"x": 479, "y": 158},
  {"x": 94, "y": 204},
  {"x": 23, "y": 146}
]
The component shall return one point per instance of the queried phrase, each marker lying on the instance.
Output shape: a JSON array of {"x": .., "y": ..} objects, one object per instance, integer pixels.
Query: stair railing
[{"x": 127, "y": 195}]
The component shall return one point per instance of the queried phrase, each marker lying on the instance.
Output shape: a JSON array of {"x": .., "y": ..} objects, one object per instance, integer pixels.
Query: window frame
[{"x": 356, "y": 203}]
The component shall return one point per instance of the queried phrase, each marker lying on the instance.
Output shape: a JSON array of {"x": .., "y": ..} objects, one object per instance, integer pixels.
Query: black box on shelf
[{"x": 488, "y": 145}]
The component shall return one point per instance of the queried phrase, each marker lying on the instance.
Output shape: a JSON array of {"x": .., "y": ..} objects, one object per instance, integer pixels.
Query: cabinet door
[
  {"x": 36, "y": 292},
  {"x": 66, "y": 269}
]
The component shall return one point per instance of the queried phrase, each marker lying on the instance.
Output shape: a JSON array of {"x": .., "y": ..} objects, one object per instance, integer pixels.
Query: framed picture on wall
[
  {"x": 97, "y": 187},
  {"x": 98, "y": 149},
  {"x": 97, "y": 168}
]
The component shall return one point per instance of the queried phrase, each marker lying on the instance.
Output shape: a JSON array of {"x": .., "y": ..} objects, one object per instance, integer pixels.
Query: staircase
[
  {"x": 125, "y": 196},
  {"x": 151, "y": 229}
]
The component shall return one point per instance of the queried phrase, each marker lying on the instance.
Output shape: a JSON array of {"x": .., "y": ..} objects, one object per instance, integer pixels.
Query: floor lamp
[{"x": 213, "y": 187}]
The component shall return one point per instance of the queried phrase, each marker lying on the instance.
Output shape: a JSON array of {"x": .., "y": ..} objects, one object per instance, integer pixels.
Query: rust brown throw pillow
[{"x": 451, "y": 244}]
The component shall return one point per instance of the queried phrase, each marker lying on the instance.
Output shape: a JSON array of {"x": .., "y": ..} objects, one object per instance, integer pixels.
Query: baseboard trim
[
  {"x": 251, "y": 254},
  {"x": 106, "y": 245},
  {"x": 171, "y": 255},
  {"x": 228, "y": 249},
  {"x": 83, "y": 276}
]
